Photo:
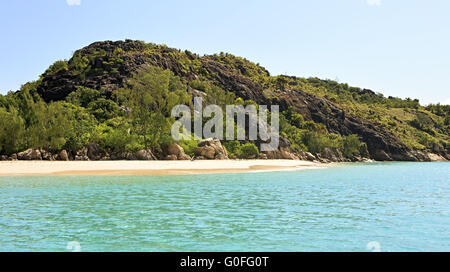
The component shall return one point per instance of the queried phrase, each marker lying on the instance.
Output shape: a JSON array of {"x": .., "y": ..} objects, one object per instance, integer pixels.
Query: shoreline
[{"x": 149, "y": 168}]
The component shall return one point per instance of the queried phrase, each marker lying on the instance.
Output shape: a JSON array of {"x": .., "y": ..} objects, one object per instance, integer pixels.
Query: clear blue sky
[{"x": 397, "y": 47}]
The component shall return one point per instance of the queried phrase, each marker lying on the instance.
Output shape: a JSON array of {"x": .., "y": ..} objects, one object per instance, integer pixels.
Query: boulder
[
  {"x": 211, "y": 149},
  {"x": 287, "y": 154},
  {"x": 14, "y": 157},
  {"x": 308, "y": 156},
  {"x": 174, "y": 149},
  {"x": 30, "y": 154},
  {"x": 93, "y": 151},
  {"x": 184, "y": 157},
  {"x": 63, "y": 156},
  {"x": 178, "y": 151},
  {"x": 323, "y": 159},
  {"x": 206, "y": 151},
  {"x": 171, "y": 158},
  {"x": 4, "y": 158},
  {"x": 435, "y": 157},
  {"x": 274, "y": 155},
  {"x": 145, "y": 155}
]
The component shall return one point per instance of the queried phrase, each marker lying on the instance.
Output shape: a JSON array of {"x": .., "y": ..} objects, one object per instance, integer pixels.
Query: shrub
[
  {"x": 351, "y": 145},
  {"x": 103, "y": 109},
  {"x": 316, "y": 142},
  {"x": 248, "y": 151},
  {"x": 241, "y": 151},
  {"x": 12, "y": 131},
  {"x": 59, "y": 65},
  {"x": 233, "y": 148},
  {"x": 189, "y": 146}
]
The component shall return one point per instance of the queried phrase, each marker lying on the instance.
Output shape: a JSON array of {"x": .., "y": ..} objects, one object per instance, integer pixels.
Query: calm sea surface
[{"x": 389, "y": 206}]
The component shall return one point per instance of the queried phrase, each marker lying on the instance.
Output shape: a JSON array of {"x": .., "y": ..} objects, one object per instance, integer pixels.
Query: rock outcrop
[
  {"x": 306, "y": 156},
  {"x": 176, "y": 152},
  {"x": 211, "y": 149},
  {"x": 145, "y": 155},
  {"x": 333, "y": 155},
  {"x": 30, "y": 154}
]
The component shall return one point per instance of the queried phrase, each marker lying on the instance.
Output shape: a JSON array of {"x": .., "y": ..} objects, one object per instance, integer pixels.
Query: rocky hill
[{"x": 391, "y": 128}]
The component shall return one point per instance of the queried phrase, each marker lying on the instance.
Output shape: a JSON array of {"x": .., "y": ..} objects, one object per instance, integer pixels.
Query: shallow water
[{"x": 399, "y": 206}]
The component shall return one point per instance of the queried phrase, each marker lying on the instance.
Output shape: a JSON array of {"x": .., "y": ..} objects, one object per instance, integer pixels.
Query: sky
[{"x": 396, "y": 47}]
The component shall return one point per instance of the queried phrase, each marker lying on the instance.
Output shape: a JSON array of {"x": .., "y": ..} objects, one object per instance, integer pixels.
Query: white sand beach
[{"x": 98, "y": 168}]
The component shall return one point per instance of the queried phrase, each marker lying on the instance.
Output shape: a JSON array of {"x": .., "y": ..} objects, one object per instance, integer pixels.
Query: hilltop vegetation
[{"x": 119, "y": 95}]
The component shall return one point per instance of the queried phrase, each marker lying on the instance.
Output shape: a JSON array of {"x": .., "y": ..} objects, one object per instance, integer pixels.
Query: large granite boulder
[
  {"x": 145, "y": 155},
  {"x": 63, "y": 156},
  {"x": 94, "y": 152},
  {"x": 303, "y": 155},
  {"x": 176, "y": 151},
  {"x": 211, "y": 149}
]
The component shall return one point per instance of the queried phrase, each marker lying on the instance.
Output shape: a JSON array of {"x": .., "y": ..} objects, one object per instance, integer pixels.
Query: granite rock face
[{"x": 176, "y": 152}]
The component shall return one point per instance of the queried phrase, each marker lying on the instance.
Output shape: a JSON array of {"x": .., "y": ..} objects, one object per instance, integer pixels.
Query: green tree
[
  {"x": 83, "y": 96},
  {"x": 12, "y": 131},
  {"x": 151, "y": 96},
  {"x": 103, "y": 109},
  {"x": 351, "y": 145}
]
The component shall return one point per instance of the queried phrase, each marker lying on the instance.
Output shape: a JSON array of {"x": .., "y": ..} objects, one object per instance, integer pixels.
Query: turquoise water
[{"x": 399, "y": 206}]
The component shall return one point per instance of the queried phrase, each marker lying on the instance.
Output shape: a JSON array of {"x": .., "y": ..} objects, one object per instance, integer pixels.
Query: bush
[
  {"x": 351, "y": 145},
  {"x": 12, "y": 131},
  {"x": 249, "y": 151},
  {"x": 189, "y": 146},
  {"x": 317, "y": 142},
  {"x": 83, "y": 96},
  {"x": 233, "y": 148},
  {"x": 241, "y": 151},
  {"x": 103, "y": 109},
  {"x": 59, "y": 65}
]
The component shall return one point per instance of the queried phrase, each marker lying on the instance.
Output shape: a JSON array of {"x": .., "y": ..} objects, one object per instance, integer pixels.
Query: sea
[{"x": 356, "y": 207}]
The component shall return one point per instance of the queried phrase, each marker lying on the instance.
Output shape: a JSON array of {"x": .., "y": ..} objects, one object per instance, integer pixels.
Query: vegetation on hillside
[{"x": 137, "y": 115}]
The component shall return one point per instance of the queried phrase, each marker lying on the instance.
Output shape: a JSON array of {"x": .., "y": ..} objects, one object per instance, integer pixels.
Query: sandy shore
[{"x": 20, "y": 168}]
